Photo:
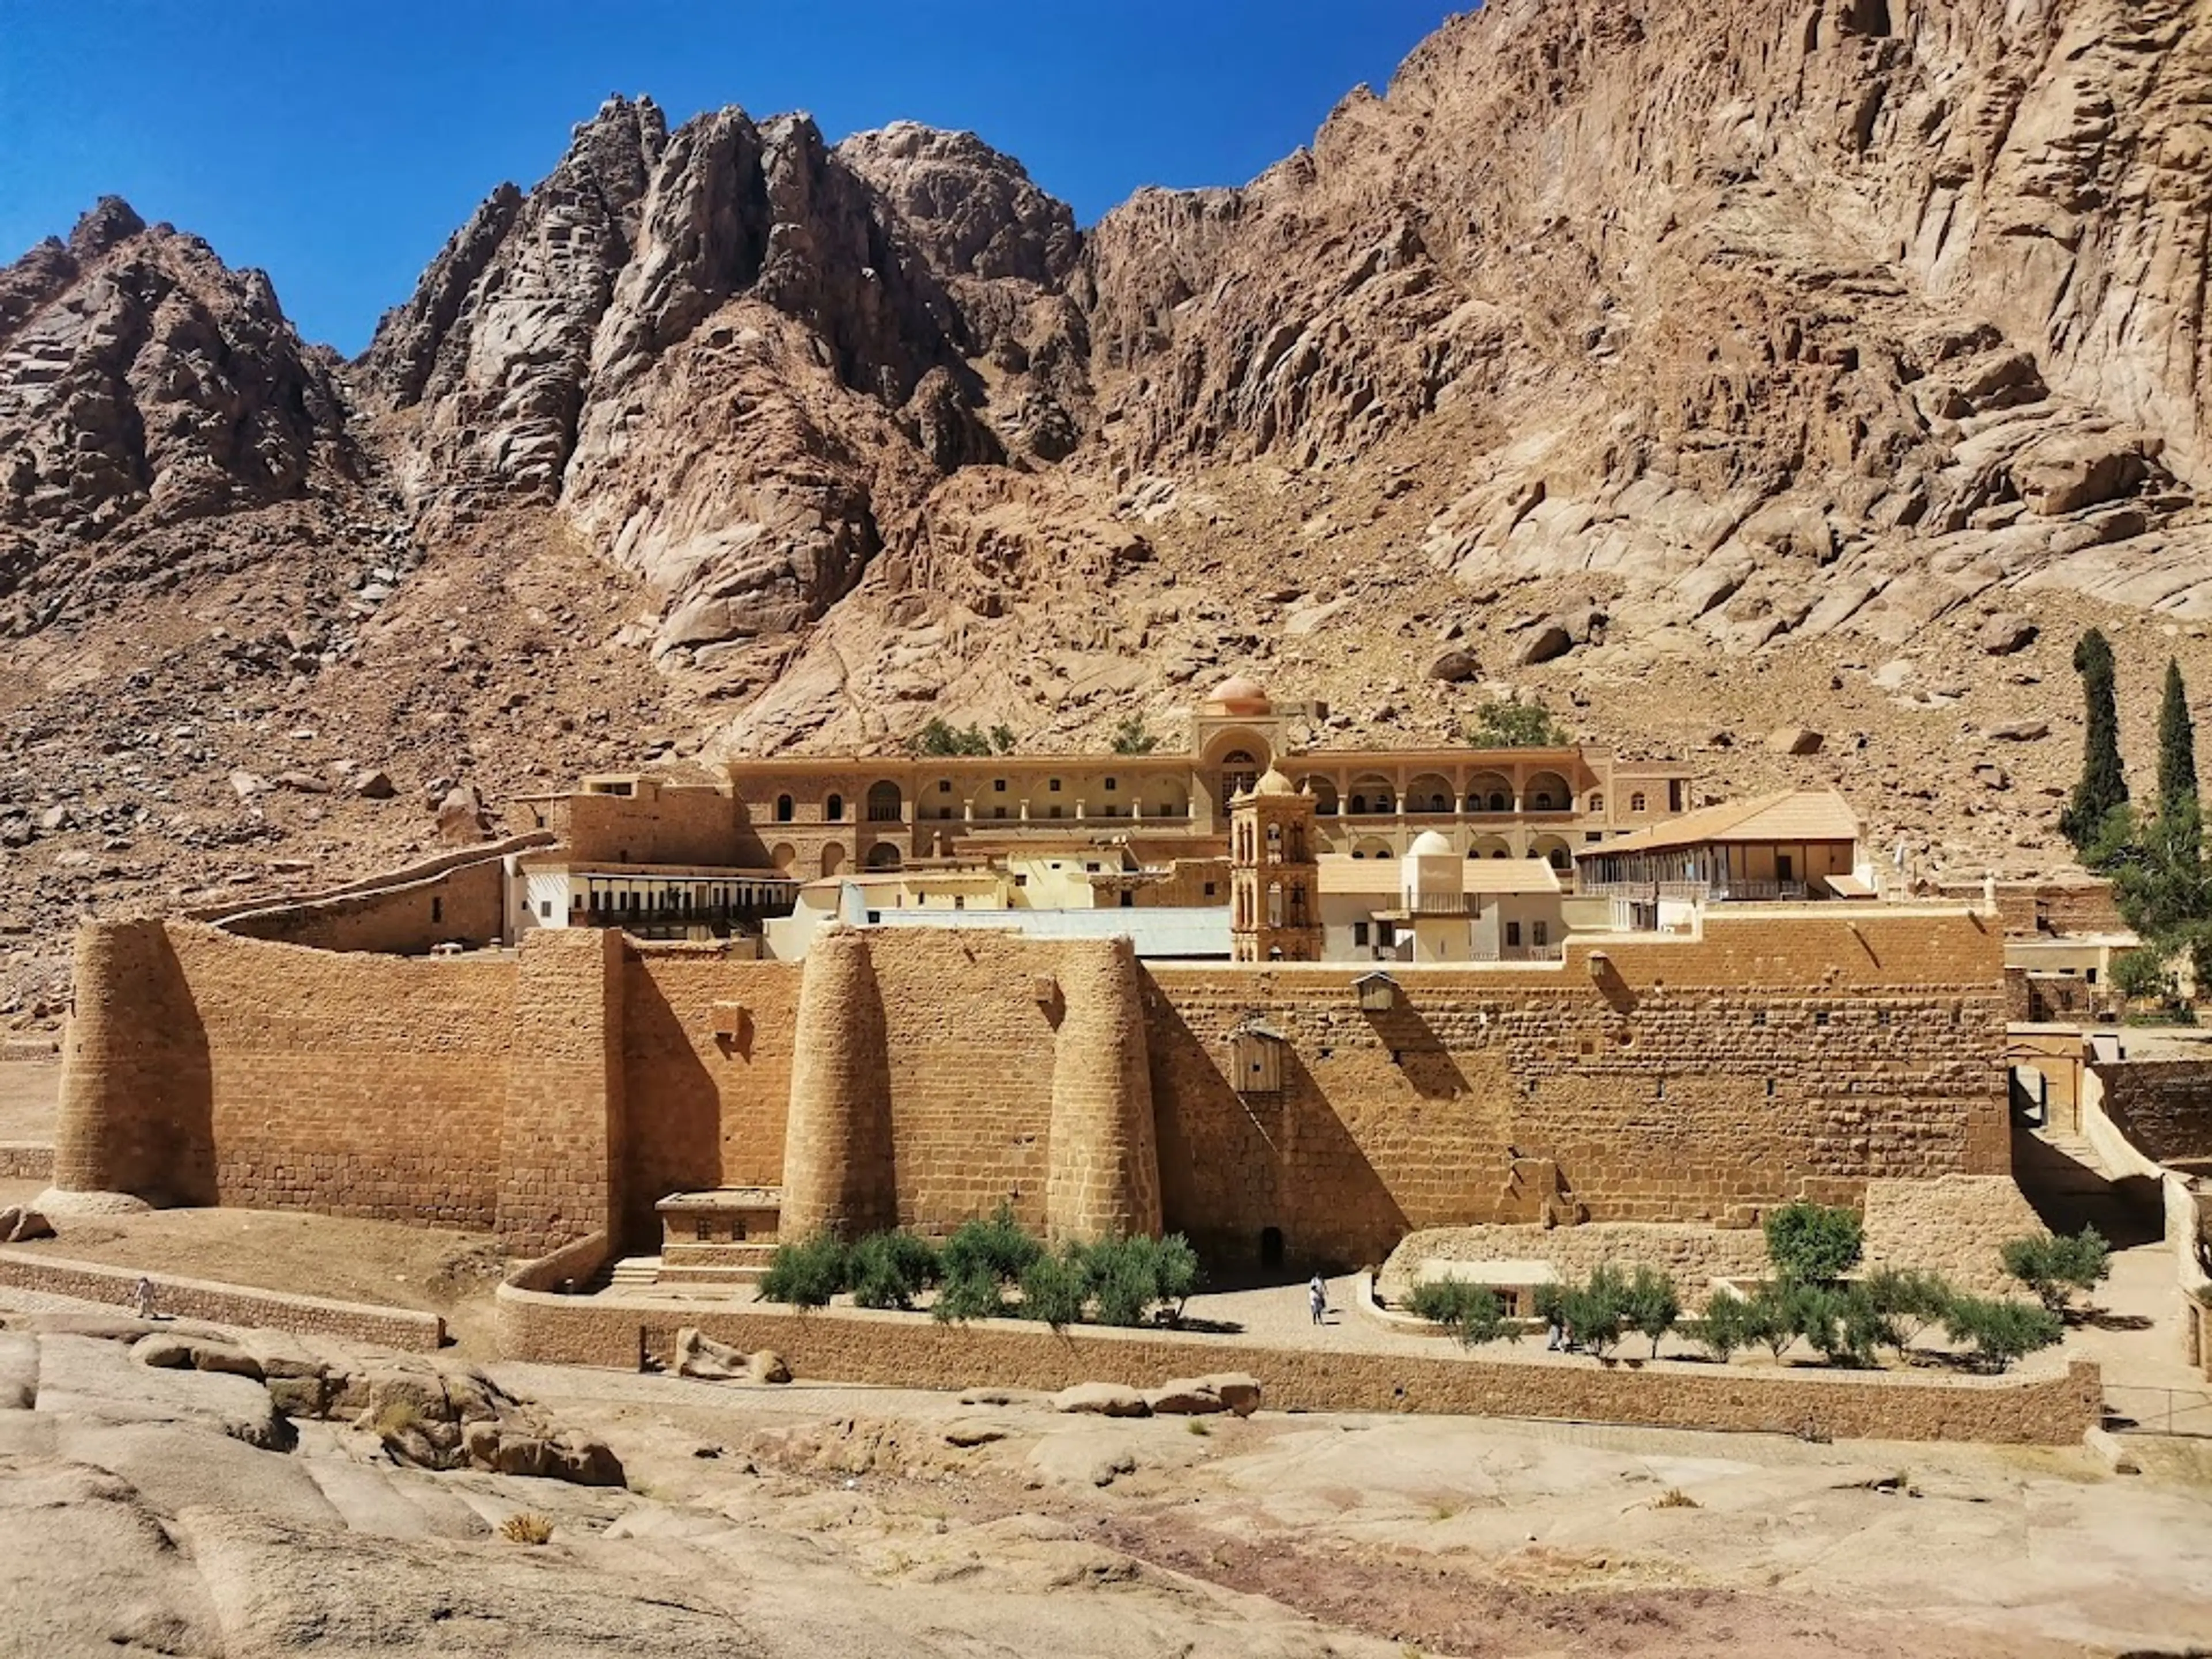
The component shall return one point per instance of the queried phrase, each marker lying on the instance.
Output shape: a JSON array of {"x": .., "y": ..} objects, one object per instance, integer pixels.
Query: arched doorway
[
  {"x": 833, "y": 859},
  {"x": 784, "y": 856},
  {"x": 885, "y": 802},
  {"x": 883, "y": 856}
]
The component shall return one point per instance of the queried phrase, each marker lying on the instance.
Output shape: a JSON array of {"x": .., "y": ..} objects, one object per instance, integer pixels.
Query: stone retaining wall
[
  {"x": 24, "y": 1160},
  {"x": 912, "y": 1352},
  {"x": 225, "y": 1304}
]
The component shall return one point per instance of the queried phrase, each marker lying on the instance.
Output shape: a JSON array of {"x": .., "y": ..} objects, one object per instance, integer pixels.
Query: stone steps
[{"x": 733, "y": 1278}]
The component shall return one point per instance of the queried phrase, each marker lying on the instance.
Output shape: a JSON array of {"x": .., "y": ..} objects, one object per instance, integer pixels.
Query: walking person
[
  {"x": 144, "y": 1294},
  {"x": 1317, "y": 1297}
]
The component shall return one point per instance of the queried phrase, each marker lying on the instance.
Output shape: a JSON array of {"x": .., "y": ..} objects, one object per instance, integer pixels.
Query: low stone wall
[
  {"x": 26, "y": 1160},
  {"x": 911, "y": 1352},
  {"x": 1692, "y": 1255},
  {"x": 225, "y": 1304}
]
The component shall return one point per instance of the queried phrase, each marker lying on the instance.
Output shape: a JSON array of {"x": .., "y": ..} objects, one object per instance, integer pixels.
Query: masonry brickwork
[
  {"x": 923, "y": 1077},
  {"x": 2054, "y": 1408},
  {"x": 2163, "y": 1107}
]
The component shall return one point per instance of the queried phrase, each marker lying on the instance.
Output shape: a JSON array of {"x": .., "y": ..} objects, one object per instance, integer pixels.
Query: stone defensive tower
[
  {"x": 137, "y": 1093},
  {"x": 1103, "y": 1170},
  {"x": 837, "y": 1158},
  {"x": 1274, "y": 882}
]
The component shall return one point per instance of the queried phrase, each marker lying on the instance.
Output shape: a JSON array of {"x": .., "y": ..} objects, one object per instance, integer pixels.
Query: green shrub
[
  {"x": 1815, "y": 1243},
  {"x": 1769, "y": 1319},
  {"x": 997, "y": 1247},
  {"x": 1593, "y": 1309},
  {"x": 1549, "y": 1302},
  {"x": 889, "y": 1270},
  {"x": 1911, "y": 1301},
  {"x": 1725, "y": 1327},
  {"x": 1054, "y": 1289},
  {"x": 1180, "y": 1275},
  {"x": 807, "y": 1273},
  {"x": 2056, "y": 1266},
  {"x": 1842, "y": 1324},
  {"x": 1473, "y": 1313},
  {"x": 1651, "y": 1305},
  {"x": 969, "y": 1295},
  {"x": 1123, "y": 1276},
  {"x": 2000, "y": 1331}
]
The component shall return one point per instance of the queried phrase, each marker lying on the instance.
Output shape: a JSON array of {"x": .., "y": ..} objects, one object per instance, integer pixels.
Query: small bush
[
  {"x": 1911, "y": 1302},
  {"x": 997, "y": 1247},
  {"x": 1843, "y": 1325},
  {"x": 807, "y": 1273},
  {"x": 1198, "y": 1425},
  {"x": 1676, "y": 1498},
  {"x": 889, "y": 1270},
  {"x": 1725, "y": 1327},
  {"x": 1815, "y": 1243},
  {"x": 1593, "y": 1310},
  {"x": 397, "y": 1417},
  {"x": 1180, "y": 1275},
  {"x": 1473, "y": 1313},
  {"x": 1769, "y": 1319},
  {"x": 526, "y": 1527},
  {"x": 2055, "y": 1267},
  {"x": 1651, "y": 1305},
  {"x": 2000, "y": 1331},
  {"x": 1054, "y": 1290},
  {"x": 1549, "y": 1302}
]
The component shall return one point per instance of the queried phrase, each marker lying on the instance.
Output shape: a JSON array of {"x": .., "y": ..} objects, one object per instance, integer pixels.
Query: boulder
[
  {"x": 168, "y": 1352},
  {"x": 1102, "y": 1400},
  {"x": 1794, "y": 741},
  {"x": 1545, "y": 643},
  {"x": 27, "y": 1226},
  {"x": 247, "y": 785},
  {"x": 1184, "y": 1396},
  {"x": 1238, "y": 1390},
  {"x": 1455, "y": 667},
  {"x": 768, "y": 1366},
  {"x": 371, "y": 786},
  {"x": 1992, "y": 777},
  {"x": 2027, "y": 730},
  {"x": 461, "y": 815},
  {"x": 2067, "y": 472},
  {"x": 2005, "y": 633},
  {"x": 583, "y": 1461}
]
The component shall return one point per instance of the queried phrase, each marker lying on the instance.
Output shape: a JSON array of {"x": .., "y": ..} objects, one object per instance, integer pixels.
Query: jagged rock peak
[
  {"x": 974, "y": 211},
  {"x": 107, "y": 222}
]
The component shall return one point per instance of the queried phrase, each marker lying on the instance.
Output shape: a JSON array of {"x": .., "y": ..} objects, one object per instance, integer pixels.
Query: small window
[
  {"x": 1758, "y": 1016},
  {"x": 944, "y": 785},
  {"x": 703, "y": 1231},
  {"x": 545, "y": 908},
  {"x": 1540, "y": 933},
  {"x": 1784, "y": 870},
  {"x": 1820, "y": 1017},
  {"x": 1091, "y": 867},
  {"x": 1109, "y": 785},
  {"x": 1513, "y": 932},
  {"x": 1359, "y": 933},
  {"x": 1596, "y": 801},
  {"x": 1054, "y": 786},
  {"x": 1636, "y": 802},
  {"x": 874, "y": 917},
  {"x": 437, "y": 908},
  {"x": 960, "y": 900},
  {"x": 1770, "y": 1088},
  {"x": 1209, "y": 889},
  {"x": 1129, "y": 901},
  {"x": 833, "y": 809},
  {"x": 1021, "y": 881},
  {"x": 783, "y": 809},
  {"x": 999, "y": 786},
  {"x": 1662, "y": 1093}
]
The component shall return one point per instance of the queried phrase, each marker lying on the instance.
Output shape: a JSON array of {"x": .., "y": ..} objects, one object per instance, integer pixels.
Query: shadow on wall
[
  {"x": 1274, "y": 1184},
  {"x": 666, "y": 1076},
  {"x": 1416, "y": 1051}
]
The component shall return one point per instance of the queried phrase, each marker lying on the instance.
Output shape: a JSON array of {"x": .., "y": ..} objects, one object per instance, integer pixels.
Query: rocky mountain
[{"x": 1696, "y": 370}]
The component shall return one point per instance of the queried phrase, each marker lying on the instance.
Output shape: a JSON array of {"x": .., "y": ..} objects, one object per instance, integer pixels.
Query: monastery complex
[{"x": 1296, "y": 1004}]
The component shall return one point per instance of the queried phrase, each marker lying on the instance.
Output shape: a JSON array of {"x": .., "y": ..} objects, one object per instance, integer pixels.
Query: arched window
[
  {"x": 1597, "y": 802},
  {"x": 885, "y": 802},
  {"x": 783, "y": 809},
  {"x": 833, "y": 809},
  {"x": 1636, "y": 802}
]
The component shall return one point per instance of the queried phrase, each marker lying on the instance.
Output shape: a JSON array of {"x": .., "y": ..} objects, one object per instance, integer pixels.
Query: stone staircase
[
  {"x": 2061, "y": 1175},
  {"x": 735, "y": 1265}
]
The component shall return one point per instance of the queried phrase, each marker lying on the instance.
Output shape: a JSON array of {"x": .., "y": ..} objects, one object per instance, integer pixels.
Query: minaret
[{"x": 1274, "y": 882}]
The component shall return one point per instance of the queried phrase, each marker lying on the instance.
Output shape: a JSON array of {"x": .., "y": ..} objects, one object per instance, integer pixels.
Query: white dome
[{"x": 1430, "y": 844}]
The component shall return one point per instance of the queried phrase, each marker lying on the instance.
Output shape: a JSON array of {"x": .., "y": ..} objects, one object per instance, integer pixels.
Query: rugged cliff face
[
  {"x": 1692, "y": 368},
  {"x": 145, "y": 385}
]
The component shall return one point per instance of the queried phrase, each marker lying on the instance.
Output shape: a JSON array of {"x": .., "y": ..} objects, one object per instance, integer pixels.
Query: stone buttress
[
  {"x": 1105, "y": 1171},
  {"x": 837, "y": 1158}
]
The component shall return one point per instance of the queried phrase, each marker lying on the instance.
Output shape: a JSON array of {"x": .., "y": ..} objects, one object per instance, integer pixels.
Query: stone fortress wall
[{"x": 921, "y": 1077}]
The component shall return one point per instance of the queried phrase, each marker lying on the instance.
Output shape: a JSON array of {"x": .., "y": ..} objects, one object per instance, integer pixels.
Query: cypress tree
[
  {"x": 2176, "y": 743},
  {"x": 2103, "y": 786}
]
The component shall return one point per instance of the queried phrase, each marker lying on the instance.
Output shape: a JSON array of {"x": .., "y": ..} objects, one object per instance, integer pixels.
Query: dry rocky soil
[{"x": 810, "y": 1519}]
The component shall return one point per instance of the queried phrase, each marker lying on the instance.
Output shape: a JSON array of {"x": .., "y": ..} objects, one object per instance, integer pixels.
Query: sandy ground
[{"x": 28, "y": 1095}]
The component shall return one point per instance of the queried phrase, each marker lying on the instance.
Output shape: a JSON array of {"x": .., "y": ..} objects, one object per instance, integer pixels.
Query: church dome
[
  {"x": 1272, "y": 783},
  {"x": 1238, "y": 695},
  {"x": 1430, "y": 844}
]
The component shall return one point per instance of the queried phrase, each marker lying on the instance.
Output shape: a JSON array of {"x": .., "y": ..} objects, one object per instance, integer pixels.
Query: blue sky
[{"x": 336, "y": 145}]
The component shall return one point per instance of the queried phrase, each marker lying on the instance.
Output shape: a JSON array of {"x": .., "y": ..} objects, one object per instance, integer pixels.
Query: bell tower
[{"x": 1274, "y": 882}]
